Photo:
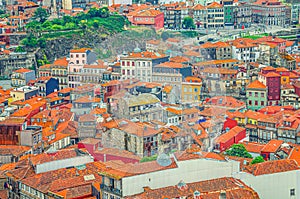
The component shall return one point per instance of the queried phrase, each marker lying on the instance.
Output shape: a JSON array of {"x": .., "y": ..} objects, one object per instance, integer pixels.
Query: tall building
[{"x": 79, "y": 58}]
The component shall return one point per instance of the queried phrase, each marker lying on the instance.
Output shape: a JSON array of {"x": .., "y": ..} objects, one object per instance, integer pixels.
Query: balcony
[{"x": 111, "y": 189}]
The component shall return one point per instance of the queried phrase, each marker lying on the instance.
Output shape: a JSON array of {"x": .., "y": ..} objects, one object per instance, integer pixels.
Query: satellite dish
[{"x": 163, "y": 160}]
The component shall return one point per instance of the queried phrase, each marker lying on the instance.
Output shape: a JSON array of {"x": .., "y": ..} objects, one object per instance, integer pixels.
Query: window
[
  {"x": 256, "y": 94},
  {"x": 123, "y": 72},
  {"x": 250, "y": 94},
  {"x": 128, "y": 63},
  {"x": 77, "y": 56},
  {"x": 128, "y": 72},
  {"x": 132, "y": 63},
  {"x": 262, "y": 103},
  {"x": 123, "y": 63},
  {"x": 292, "y": 192},
  {"x": 250, "y": 102},
  {"x": 256, "y": 103},
  {"x": 262, "y": 95}
]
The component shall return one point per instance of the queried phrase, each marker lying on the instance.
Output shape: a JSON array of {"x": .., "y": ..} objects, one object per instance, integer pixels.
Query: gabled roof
[
  {"x": 23, "y": 70},
  {"x": 230, "y": 134},
  {"x": 81, "y": 50},
  {"x": 199, "y": 7},
  {"x": 256, "y": 85},
  {"x": 272, "y": 146},
  {"x": 214, "y": 5}
]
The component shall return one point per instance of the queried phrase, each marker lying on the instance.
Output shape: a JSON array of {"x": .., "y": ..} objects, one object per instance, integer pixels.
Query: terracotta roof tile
[
  {"x": 275, "y": 166},
  {"x": 230, "y": 134},
  {"x": 272, "y": 146},
  {"x": 209, "y": 189},
  {"x": 256, "y": 85},
  {"x": 23, "y": 70}
]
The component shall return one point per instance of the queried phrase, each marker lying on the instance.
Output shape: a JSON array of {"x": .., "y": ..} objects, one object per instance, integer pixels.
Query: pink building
[
  {"x": 79, "y": 58},
  {"x": 151, "y": 17}
]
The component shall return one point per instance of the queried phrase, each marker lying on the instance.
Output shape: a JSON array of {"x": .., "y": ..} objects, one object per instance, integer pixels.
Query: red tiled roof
[
  {"x": 209, "y": 189},
  {"x": 230, "y": 134},
  {"x": 256, "y": 85},
  {"x": 81, "y": 50},
  {"x": 253, "y": 147},
  {"x": 272, "y": 146},
  {"x": 22, "y": 70},
  {"x": 275, "y": 166}
]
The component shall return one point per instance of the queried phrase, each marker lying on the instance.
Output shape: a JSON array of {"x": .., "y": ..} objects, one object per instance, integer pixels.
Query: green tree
[
  {"x": 104, "y": 12},
  {"x": 2, "y": 12},
  {"x": 20, "y": 49},
  {"x": 238, "y": 150},
  {"x": 165, "y": 36},
  {"x": 67, "y": 19},
  {"x": 29, "y": 41},
  {"x": 41, "y": 42},
  {"x": 257, "y": 159},
  {"x": 41, "y": 15},
  {"x": 188, "y": 23}
]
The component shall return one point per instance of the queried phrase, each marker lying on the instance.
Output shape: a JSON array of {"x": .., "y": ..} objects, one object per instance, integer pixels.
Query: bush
[
  {"x": 257, "y": 159},
  {"x": 148, "y": 159},
  {"x": 238, "y": 150}
]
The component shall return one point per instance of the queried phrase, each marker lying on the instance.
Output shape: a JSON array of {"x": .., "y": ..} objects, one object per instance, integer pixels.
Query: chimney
[{"x": 222, "y": 194}]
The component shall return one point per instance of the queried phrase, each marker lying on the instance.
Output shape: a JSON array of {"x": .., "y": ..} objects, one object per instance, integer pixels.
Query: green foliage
[
  {"x": 190, "y": 34},
  {"x": 29, "y": 41},
  {"x": 20, "y": 49},
  {"x": 43, "y": 61},
  {"x": 148, "y": 159},
  {"x": 165, "y": 36},
  {"x": 41, "y": 15},
  {"x": 188, "y": 23},
  {"x": 57, "y": 27},
  {"x": 2, "y": 12},
  {"x": 41, "y": 42},
  {"x": 257, "y": 159},
  {"x": 238, "y": 150}
]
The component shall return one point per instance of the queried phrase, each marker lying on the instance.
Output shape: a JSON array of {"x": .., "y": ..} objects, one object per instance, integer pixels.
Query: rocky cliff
[{"x": 104, "y": 45}]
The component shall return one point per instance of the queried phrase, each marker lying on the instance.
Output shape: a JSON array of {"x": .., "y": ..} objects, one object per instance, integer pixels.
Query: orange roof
[
  {"x": 22, "y": 70},
  {"x": 230, "y": 134},
  {"x": 268, "y": 68},
  {"x": 222, "y": 71},
  {"x": 295, "y": 154},
  {"x": 170, "y": 65},
  {"x": 208, "y": 189},
  {"x": 272, "y": 146},
  {"x": 271, "y": 74},
  {"x": 153, "y": 42},
  {"x": 167, "y": 89},
  {"x": 61, "y": 62},
  {"x": 256, "y": 85},
  {"x": 253, "y": 147},
  {"x": 214, "y": 5},
  {"x": 179, "y": 59},
  {"x": 282, "y": 69},
  {"x": 145, "y": 54},
  {"x": 145, "y": 13},
  {"x": 199, "y": 7},
  {"x": 81, "y": 50},
  {"x": 275, "y": 166}
]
